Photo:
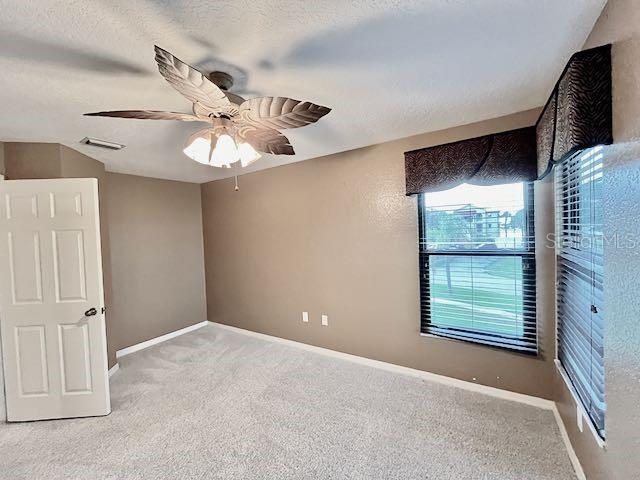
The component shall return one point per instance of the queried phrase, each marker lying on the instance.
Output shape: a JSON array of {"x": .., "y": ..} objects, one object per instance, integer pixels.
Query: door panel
[
  {"x": 75, "y": 357},
  {"x": 31, "y": 354},
  {"x": 68, "y": 265},
  {"x": 55, "y": 358},
  {"x": 65, "y": 204},
  {"x": 24, "y": 265},
  {"x": 21, "y": 206}
]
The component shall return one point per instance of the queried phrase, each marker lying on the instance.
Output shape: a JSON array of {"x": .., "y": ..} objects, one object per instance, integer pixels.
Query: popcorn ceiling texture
[{"x": 388, "y": 68}]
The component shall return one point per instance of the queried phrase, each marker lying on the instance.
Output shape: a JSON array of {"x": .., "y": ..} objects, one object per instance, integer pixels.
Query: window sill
[
  {"x": 580, "y": 408},
  {"x": 486, "y": 344}
]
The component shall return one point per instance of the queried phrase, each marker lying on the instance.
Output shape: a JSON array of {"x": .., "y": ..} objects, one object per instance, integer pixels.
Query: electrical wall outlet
[
  {"x": 305, "y": 317},
  {"x": 325, "y": 320}
]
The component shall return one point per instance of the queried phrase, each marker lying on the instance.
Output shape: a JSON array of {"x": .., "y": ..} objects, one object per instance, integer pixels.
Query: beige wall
[
  {"x": 31, "y": 160},
  {"x": 336, "y": 235},
  {"x": 155, "y": 227},
  {"x": 619, "y": 24}
]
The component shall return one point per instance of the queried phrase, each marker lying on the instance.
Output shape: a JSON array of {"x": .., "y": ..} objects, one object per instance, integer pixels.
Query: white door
[{"x": 54, "y": 346}]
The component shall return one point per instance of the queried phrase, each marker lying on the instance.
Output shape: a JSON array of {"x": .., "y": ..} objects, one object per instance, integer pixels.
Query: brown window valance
[
  {"x": 576, "y": 116},
  {"x": 578, "y": 113},
  {"x": 504, "y": 157}
]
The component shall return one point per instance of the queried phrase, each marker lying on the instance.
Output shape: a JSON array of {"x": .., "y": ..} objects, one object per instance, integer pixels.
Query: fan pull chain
[{"x": 237, "y": 187}]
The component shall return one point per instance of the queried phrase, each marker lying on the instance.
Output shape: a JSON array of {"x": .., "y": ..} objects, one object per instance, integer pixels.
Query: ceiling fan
[{"x": 238, "y": 128}]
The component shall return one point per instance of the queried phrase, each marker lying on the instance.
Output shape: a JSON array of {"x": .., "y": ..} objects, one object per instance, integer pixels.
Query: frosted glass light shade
[
  {"x": 247, "y": 153},
  {"x": 225, "y": 153},
  {"x": 198, "y": 150}
]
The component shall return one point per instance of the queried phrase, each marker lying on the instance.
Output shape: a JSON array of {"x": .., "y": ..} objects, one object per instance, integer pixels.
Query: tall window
[
  {"x": 579, "y": 247},
  {"x": 477, "y": 265}
]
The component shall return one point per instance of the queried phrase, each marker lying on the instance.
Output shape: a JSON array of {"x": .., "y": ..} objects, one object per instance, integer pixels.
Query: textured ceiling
[{"x": 388, "y": 68}]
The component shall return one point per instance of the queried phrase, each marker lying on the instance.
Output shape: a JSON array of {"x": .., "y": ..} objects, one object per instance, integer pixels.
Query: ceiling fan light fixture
[
  {"x": 213, "y": 147},
  {"x": 220, "y": 146}
]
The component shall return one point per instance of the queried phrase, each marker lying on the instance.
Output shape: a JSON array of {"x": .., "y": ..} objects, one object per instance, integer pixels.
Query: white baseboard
[
  {"x": 575, "y": 461},
  {"x": 163, "y": 338},
  {"x": 114, "y": 369},
  {"x": 474, "y": 387},
  {"x": 580, "y": 410}
]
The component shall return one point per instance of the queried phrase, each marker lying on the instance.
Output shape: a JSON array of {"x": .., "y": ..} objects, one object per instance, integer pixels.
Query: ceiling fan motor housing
[
  {"x": 223, "y": 125},
  {"x": 222, "y": 79}
]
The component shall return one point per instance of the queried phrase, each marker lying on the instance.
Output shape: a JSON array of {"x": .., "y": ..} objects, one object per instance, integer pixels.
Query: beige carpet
[{"x": 214, "y": 404}]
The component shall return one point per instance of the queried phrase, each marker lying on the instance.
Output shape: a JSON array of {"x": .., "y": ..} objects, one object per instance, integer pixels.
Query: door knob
[{"x": 91, "y": 312}]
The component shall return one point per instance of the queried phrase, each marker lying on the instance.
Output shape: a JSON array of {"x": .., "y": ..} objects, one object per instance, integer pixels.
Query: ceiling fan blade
[
  {"x": 266, "y": 140},
  {"x": 193, "y": 84},
  {"x": 280, "y": 112},
  {"x": 148, "y": 115}
]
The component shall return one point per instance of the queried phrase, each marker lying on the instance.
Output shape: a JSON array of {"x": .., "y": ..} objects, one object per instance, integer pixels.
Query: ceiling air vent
[{"x": 94, "y": 142}]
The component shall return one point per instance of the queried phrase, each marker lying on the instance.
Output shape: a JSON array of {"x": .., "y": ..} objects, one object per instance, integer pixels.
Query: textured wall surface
[
  {"x": 155, "y": 227},
  {"x": 336, "y": 235},
  {"x": 620, "y": 25}
]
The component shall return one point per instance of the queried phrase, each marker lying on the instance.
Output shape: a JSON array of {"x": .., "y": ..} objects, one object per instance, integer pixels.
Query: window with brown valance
[
  {"x": 476, "y": 244},
  {"x": 506, "y": 157},
  {"x": 578, "y": 114}
]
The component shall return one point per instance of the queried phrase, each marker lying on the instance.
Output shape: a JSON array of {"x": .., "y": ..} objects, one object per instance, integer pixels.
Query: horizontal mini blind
[
  {"x": 478, "y": 266},
  {"x": 579, "y": 247}
]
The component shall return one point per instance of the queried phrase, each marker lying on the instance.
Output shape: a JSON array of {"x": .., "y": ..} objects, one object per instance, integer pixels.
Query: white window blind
[
  {"x": 579, "y": 247},
  {"x": 477, "y": 265}
]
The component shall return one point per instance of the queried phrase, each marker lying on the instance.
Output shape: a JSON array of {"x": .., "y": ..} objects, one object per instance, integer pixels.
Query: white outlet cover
[
  {"x": 325, "y": 320},
  {"x": 305, "y": 317},
  {"x": 579, "y": 418}
]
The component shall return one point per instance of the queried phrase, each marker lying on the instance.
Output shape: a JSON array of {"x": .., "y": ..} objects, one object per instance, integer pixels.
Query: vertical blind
[
  {"x": 579, "y": 248},
  {"x": 477, "y": 265}
]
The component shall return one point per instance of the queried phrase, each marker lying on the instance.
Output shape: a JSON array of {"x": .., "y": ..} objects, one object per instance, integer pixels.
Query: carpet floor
[{"x": 215, "y": 404}]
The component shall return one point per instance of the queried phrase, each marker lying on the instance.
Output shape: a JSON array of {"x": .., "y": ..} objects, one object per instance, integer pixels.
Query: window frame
[{"x": 518, "y": 344}]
